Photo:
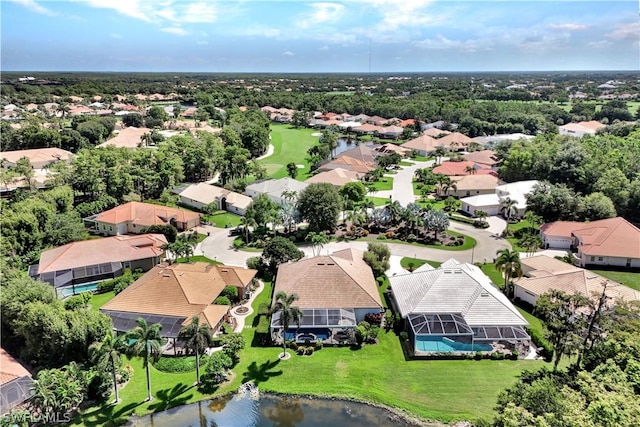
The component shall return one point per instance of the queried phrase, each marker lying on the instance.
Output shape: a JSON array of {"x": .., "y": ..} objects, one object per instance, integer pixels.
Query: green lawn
[
  {"x": 199, "y": 258},
  {"x": 289, "y": 145},
  {"x": 417, "y": 263},
  {"x": 514, "y": 240},
  {"x": 496, "y": 277},
  {"x": 437, "y": 389},
  {"x": 627, "y": 278},
  {"x": 98, "y": 300},
  {"x": 469, "y": 242},
  {"x": 534, "y": 322},
  {"x": 223, "y": 219},
  {"x": 377, "y": 201},
  {"x": 405, "y": 163},
  {"x": 384, "y": 183}
]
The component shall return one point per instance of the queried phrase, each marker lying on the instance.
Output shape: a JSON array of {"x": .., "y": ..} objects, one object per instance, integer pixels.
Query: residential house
[
  {"x": 201, "y": 195},
  {"x": 133, "y": 217},
  {"x": 435, "y": 132},
  {"x": 16, "y": 383},
  {"x": 391, "y": 132},
  {"x": 362, "y": 118},
  {"x": 470, "y": 185},
  {"x": 367, "y": 129},
  {"x": 347, "y": 163},
  {"x": 335, "y": 292},
  {"x": 376, "y": 121},
  {"x": 392, "y": 148},
  {"x": 275, "y": 188},
  {"x": 39, "y": 158},
  {"x": 455, "y": 308},
  {"x": 362, "y": 152},
  {"x": 581, "y": 129},
  {"x": 484, "y": 157},
  {"x": 424, "y": 145},
  {"x": 491, "y": 203},
  {"x": 606, "y": 242},
  {"x": 130, "y": 137},
  {"x": 98, "y": 259},
  {"x": 542, "y": 274},
  {"x": 172, "y": 294},
  {"x": 460, "y": 169},
  {"x": 455, "y": 141},
  {"x": 407, "y": 122},
  {"x": 336, "y": 177}
]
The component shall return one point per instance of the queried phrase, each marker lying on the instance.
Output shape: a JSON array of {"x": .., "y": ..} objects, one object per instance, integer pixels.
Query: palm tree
[
  {"x": 197, "y": 338},
  {"x": 481, "y": 215},
  {"x": 146, "y": 344},
  {"x": 470, "y": 170},
  {"x": 318, "y": 240},
  {"x": 395, "y": 211},
  {"x": 439, "y": 153},
  {"x": 508, "y": 262},
  {"x": 246, "y": 222},
  {"x": 508, "y": 208},
  {"x": 436, "y": 221},
  {"x": 442, "y": 182},
  {"x": 107, "y": 352},
  {"x": 288, "y": 313}
]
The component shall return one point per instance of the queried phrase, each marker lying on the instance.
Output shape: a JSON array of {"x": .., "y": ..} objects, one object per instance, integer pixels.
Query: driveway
[
  {"x": 219, "y": 247},
  {"x": 402, "y": 182}
]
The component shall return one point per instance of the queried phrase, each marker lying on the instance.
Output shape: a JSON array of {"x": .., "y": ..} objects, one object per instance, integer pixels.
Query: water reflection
[{"x": 272, "y": 411}]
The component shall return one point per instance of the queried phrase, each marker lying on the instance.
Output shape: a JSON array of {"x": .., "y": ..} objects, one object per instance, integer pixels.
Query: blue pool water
[
  {"x": 67, "y": 291},
  {"x": 445, "y": 345},
  {"x": 321, "y": 334}
]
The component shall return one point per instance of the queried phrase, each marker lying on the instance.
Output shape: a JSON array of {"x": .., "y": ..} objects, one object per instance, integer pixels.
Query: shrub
[
  {"x": 255, "y": 263},
  {"x": 222, "y": 301},
  {"x": 263, "y": 325},
  {"x": 100, "y": 386},
  {"x": 78, "y": 301},
  {"x": 404, "y": 335},
  {"x": 121, "y": 286},
  {"x": 292, "y": 345},
  {"x": 411, "y": 238},
  {"x": 514, "y": 355},
  {"x": 389, "y": 234},
  {"x": 540, "y": 341},
  {"x": 106, "y": 286},
  {"x": 300, "y": 351},
  {"x": 497, "y": 356},
  {"x": 373, "y": 318},
  {"x": 318, "y": 345},
  {"x": 238, "y": 243},
  {"x": 230, "y": 292},
  {"x": 308, "y": 351},
  {"x": 382, "y": 237},
  {"x": 380, "y": 280},
  {"x": 478, "y": 355},
  {"x": 263, "y": 309}
]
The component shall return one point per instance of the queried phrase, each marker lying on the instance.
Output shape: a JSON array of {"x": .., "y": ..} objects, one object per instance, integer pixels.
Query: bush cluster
[
  {"x": 541, "y": 342},
  {"x": 178, "y": 364}
]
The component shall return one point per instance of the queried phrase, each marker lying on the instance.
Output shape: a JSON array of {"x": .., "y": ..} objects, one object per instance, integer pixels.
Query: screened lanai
[{"x": 320, "y": 318}]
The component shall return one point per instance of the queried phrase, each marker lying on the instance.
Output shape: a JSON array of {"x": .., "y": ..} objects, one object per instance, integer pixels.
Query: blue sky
[{"x": 324, "y": 36}]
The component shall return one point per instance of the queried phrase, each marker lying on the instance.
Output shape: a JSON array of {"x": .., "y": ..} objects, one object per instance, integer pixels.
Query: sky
[{"x": 285, "y": 36}]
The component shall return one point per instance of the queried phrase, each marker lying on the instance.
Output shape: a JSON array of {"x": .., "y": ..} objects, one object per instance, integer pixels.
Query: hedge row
[
  {"x": 541, "y": 342},
  {"x": 475, "y": 222}
]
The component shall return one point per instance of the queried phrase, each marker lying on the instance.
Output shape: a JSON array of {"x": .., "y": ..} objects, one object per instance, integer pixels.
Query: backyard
[{"x": 627, "y": 278}]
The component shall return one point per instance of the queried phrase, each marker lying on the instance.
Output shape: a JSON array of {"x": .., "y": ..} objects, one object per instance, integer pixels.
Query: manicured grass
[
  {"x": 405, "y": 163},
  {"x": 514, "y": 240},
  {"x": 98, "y": 300},
  {"x": 289, "y": 145},
  {"x": 201, "y": 237},
  {"x": 496, "y": 277},
  {"x": 469, "y": 242},
  {"x": 384, "y": 183},
  {"x": 421, "y": 158},
  {"x": 417, "y": 263},
  {"x": 377, "y": 201},
  {"x": 534, "y": 322},
  {"x": 199, "y": 258},
  {"x": 223, "y": 219},
  {"x": 627, "y": 278}
]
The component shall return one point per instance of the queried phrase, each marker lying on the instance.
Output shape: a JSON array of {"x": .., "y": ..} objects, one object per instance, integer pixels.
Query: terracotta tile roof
[
  {"x": 362, "y": 152},
  {"x": 337, "y": 177},
  {"x": 560, "y": 228},
  {"x": 407, "y": 122},
  {"x": 10, "y": 368},
  {"x": 99, "y": 251},
  {"x": 236, "y": 276},
  {"x": 569, "y": 279},
  {"x": 128, "y": 137},
  {"x": 615, "y": 237},
  {"x": 476, "y": 182},
  {"x": 459, "y": 169},
  {"x": 484, "y": 157},
  {"x": 368, "y": 128},
  {"x": 452, "y": 139},
  {"x": 181, "y": 290},
  {"x": 423, "y": 143},
  {"x": 144, "y": 214},
  {"x": 341, "y": 280},
  {"x": 392, "y": 148},
  {"x": 435, "y": 132},
  {"x": 348, "y": 163},
  {"x": 206, "y": 193},
  {"x": 391, "y": 130},
  {"x": 38, "y": 157}
]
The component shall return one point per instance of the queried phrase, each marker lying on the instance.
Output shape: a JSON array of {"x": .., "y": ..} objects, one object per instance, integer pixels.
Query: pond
[
  {"x": 345, "y": 144},
  {"x": 272, "y": 410}
]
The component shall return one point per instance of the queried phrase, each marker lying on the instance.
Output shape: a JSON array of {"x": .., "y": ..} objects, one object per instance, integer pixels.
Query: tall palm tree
[
  {"x": 288, "y": 313},
  {"x": 481, "y": 215},
  {"x": 146, "y": 344},
  {"x": 508, "y": 208},
  {"x": 196, "y": 337},
  {"x": 508, "y": 262},
  {"x": 443, "y": 182},
  {"x": 439, "y": 153},
  {"x": 470, "y": 170},
  {"x": 246, "y": 222},
  {"x": 107, "y": 352}
]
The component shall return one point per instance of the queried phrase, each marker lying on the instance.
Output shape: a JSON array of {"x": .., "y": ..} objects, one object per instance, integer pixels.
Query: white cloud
[
  {"x": 601, "y": 44},
  {"x": 268, "y": 32},
  {"x": 156, "y": 11},
  {"x": 288, "y": 53},
  {"x": 325, "y": 47},
  {"x": 568, "y": 27},
  {"x": 199, "y": 12},
  {"x": 175, "y": 30},
  {"x": 628, "y": 31},
  {"x": 442, "y": 43},
  {"x": 132, "y": 8},
  {"x": 34, "y": 6},
  {"x": 115, "y": 36}
]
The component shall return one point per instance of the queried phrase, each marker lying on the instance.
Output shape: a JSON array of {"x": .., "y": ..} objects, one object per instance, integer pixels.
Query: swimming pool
[
  {"x": 446, "y": 345},
  {"x": 67, "y": 291},
  {"x": 321, "y": 334}
]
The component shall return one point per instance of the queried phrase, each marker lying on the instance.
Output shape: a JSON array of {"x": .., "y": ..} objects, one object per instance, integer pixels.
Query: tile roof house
[
  {"x": 335, "y": 292},
  {"x": 490, "y": 203},
  {"x": 392, "y": 148},
  {"x": 347, "y": 163},
  {"x": 391, "y": 132},
  {"x": 133, "y": 217},
  {"x": 423, "y": 145},
  {"x": 455, "y": 141},
  {"x": 98, "y": 259},
  {"x": 377, "y": 120},
  {"x": 130, "y": 137},
  {"x": 470, "y": 185},
  {"x": 435, "y": 132},
  {"x": 15, "y": 382},
  {"x": 542, "y": 274},
  {"x": 367, "y": 129},
  {"x": 38, "y": 157},
  {"x": 581, "y": 129},
  {"x": 336, "y": 177},
  {"x": 455, "y": 308},
  {"x": 608, "y": 242},
  {"x": 362, "y": 152},
  {"x": 484, "y": 157},
  {"x": 201, "y": 195},
  {"x": 460, "y": 169},
  {"x": 172, "y": 294},
  {"x": 274, "y": 188}
]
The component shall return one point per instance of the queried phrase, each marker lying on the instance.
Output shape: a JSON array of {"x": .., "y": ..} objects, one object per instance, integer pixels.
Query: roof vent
[
  {"x": 166, "y": 275},
  {"x": 321, "y": 263},
  {"x": 484, "y": 294},
  {"x": 225, "y": 270}
]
